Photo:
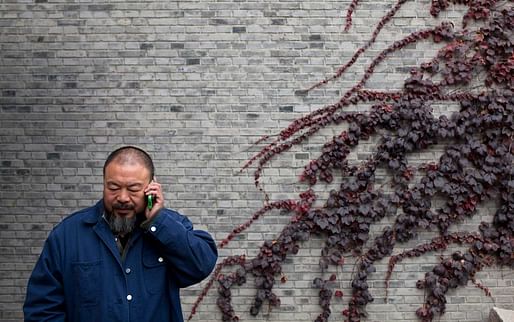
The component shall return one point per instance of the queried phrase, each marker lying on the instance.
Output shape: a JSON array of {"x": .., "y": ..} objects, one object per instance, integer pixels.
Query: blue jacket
[{"x": 80, "y": 275}]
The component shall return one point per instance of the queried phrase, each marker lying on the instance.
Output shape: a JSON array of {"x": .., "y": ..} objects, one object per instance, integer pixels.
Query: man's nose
[{"x": 123, "y": 196}]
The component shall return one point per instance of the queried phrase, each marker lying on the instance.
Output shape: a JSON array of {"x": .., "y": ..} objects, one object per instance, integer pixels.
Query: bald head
[{"x": 130, "y": 155}]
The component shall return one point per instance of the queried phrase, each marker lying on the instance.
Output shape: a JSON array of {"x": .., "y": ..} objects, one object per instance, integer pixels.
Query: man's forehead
[
  {"x": 128, "y": 183},
  {"x": 120, "y": 170}
]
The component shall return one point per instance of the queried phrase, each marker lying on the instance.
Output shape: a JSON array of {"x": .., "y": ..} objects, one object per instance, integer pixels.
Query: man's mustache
[{"x": 123, "y": 206}]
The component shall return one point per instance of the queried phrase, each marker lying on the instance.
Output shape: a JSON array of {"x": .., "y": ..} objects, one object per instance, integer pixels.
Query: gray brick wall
[{"x": 195, "y": 83}]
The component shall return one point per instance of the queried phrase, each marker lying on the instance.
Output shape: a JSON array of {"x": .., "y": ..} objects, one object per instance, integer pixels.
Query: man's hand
[{"x": 154, "y": 189}]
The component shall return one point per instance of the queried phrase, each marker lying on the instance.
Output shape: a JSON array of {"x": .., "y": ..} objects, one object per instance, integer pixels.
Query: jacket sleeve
[
  {"x": 44, "y": 300},
  {"x": 191, "y": 253}
]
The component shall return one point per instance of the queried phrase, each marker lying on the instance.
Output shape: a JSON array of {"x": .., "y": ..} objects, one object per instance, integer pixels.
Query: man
[{"x": 123, "y": 259}]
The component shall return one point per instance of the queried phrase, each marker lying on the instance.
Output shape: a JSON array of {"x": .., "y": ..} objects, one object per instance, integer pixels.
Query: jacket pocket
[
  {"x": 87, "y": 280},
  {"x": 154, "y": 267}
]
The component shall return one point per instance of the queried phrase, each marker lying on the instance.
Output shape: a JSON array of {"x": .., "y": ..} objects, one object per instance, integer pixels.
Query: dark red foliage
[
  {"x": 475, "y": 167},
  {"x": 325, "y": 297},
  {"x": 478, "y": 9}
]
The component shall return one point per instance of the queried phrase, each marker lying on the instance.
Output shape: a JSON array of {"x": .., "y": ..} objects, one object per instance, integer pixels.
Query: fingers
[{"x": 154, "y": 188}]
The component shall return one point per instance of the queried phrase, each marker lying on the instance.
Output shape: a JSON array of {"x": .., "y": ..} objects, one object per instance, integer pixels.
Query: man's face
[{"x": 124, "y": 186}]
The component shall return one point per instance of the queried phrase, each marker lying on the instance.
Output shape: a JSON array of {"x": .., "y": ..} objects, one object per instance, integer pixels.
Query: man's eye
[{"x": 114, "y": 188}]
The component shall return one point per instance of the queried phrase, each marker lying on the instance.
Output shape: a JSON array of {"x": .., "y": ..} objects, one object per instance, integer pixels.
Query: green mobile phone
[{"x": 149, "y": 201}]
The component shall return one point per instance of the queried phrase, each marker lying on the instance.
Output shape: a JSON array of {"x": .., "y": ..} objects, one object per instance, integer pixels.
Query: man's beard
[{"x": 120, "y": 225}]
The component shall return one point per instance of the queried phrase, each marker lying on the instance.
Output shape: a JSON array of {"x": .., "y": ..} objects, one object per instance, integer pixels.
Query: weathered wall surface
[{"x": 195, "y": 83}]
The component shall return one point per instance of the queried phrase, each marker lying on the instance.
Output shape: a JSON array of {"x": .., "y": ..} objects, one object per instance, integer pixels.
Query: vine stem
[
  {"x": 362, "y": 49},
  {"x": 229, "y": 261},
  {"x": 349, "y": 14},
  {"x": 288, "y": 204},
  {"x": 257, "y": 142}
]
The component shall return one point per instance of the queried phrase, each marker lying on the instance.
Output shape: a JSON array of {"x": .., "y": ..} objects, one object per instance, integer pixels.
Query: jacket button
[
  {"x": 160, "y": 259},
  {"x": 153, "y": 229},
  {"x": 127, "y": 270},
  {"x": 129, "y": 297}
]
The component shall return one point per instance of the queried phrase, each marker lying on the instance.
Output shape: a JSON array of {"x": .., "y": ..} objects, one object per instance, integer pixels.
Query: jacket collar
[{"x": 94, "y": 213}]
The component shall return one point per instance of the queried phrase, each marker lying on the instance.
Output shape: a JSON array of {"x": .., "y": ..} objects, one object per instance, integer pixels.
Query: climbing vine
[{"x": 474, "y": 168}]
